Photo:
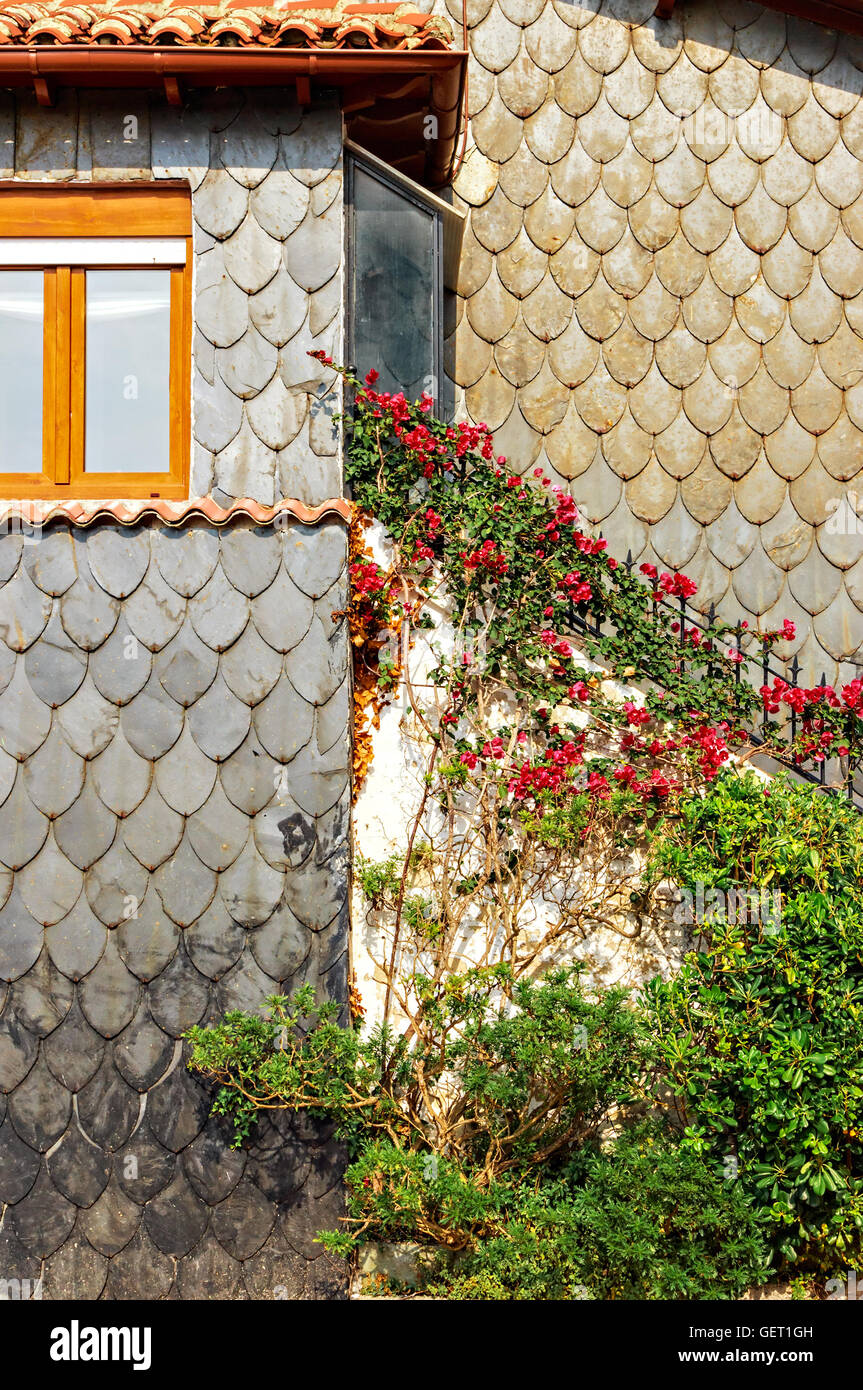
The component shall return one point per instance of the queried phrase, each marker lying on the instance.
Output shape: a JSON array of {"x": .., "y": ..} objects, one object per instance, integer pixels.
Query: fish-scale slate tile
[
  {"x": 87, "y": 830},
  {"x": 213, "y": 1169},
  {"x": 177, "y": 1109},
  {"x": 751, "y": 219},
  {"x": 54, "y": 775},
  {"x": 53, "y": 563},
  {"x": 147, "y": 938},
  {"x": 49, "y": 885},
  {"x": 142, "y": 1052},
  {"x": 153, "y": 830},
  {"x": 282, "y": 614},
  {"x": 19, "y": 1047},
  {"x": 122, "y": 666},
  {"x": 118, "y": 557},
  {"x": 42, "y": 998},
  {"x": 75, "y": 1271},
  {"x": 281, "y": 944},
  {"x": 78, "y": 1168},
  {"x": 20, "y": 1165},
  {"x": 218, "y": 612},
  {"x": 152, "y": 723},
  {"x": 55, "y": 666},
  {"x": 39, "y": 1107},
  {"x": 24, "y": 611},
  {"x": 177, "y": 1218},
  {"x": 20, "y": 938},
  {"x": 110, "y": 977},
  {"x": 215, "y": 941},
  {"x": 186, "y": 557},
  {"x": 77, "y": 941},
  {"x": 246, "y": 983},
  {"x": 88, "y": 720},
  {"x": 24, "y": 719},
  {"x": 111, "y": 1222},
  {"x": 139, "y": 1271},
  {"x": 283, "y": 834},
  {"x": 186, "y": 666},
  {"x": 121, "y": 776},
  {"x": 209, "y": 1272},
  {"x": 155, "y": 611},
  {"x": 251, "y": 889},
  {"x": 87, "y": 613},
  {"x": 185, "y": 776},
  {"x": 109, "y": 995},
  {"x": 219, "y": 721},
  {"x": 43, "y": 1219},
  {"x": 74, "y": 1051},
  {"x": 242, "y": 1222},
  {"x": 108, "y": 1108},
  {"x": 144, "y": 1166},
  {"x": 179, "y": 996}
]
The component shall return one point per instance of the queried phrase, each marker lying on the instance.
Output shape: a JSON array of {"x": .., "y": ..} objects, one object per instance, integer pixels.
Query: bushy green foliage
[
  {"x": 506, "y": 1073},
  {"x": 487, "y": 1149},
  {"x": 642, "y": 1219},
  {"x": 762, "y": 1030}
]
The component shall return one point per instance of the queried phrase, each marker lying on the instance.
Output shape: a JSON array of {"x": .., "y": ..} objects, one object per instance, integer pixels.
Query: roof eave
[{"x": 46, "y": 67}]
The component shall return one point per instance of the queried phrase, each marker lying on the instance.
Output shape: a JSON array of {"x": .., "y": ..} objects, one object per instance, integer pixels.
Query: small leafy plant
[{"x": 760, "y": 1032}]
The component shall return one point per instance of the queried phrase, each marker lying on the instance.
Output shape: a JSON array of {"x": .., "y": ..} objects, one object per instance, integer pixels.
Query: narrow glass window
[
  {"x": 21, "y": 369},
  {"x": 128, "y": 355},
  {"x": 395, "y": 310}
]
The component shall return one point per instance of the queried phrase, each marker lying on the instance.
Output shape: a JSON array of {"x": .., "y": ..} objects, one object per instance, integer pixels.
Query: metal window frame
[{"x": 428, "y": 203}]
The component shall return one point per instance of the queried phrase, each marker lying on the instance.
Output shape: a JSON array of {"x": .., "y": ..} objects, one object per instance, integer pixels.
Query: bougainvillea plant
[{"x": 517, "y": 565}]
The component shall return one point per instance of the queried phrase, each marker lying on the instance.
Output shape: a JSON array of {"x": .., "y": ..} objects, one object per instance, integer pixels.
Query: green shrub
[
  {"x": 762, "y": 1030},
  {"x": 484, "y": 1143},
  {"x": 644, "y": 1220}
]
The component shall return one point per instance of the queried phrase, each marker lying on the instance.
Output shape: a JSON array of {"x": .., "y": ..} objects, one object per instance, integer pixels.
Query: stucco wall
[
  {"x": 662, "y": 289},
  {"x": 173, "y": 843},
  {"x": 266, "y": 181}
]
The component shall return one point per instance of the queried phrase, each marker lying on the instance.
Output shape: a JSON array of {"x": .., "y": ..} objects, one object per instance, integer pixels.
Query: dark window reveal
[{"x": 395, "y": 306}]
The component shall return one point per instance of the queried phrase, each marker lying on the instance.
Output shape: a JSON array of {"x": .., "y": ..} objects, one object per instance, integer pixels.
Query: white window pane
[
  {"x": 21, "y": 332},
  {"x": 128, "y": 369},
  {"x": 393, "y": 303}
]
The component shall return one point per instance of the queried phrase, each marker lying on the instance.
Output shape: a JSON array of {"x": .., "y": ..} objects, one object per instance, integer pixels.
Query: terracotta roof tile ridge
[
  {"x": 400, "y": 25},
  {"x": 31, "y": 514}
]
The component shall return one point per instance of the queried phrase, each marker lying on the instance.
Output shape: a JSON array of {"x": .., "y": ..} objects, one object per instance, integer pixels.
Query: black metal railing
[{"x": 836, "y": 775}]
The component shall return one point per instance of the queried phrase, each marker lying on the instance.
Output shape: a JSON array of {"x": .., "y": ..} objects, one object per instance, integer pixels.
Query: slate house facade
[
  {"x": 174, "y": 711},
  {"x": 639, "y": 258},
  {"x": 661, "y": 287}
]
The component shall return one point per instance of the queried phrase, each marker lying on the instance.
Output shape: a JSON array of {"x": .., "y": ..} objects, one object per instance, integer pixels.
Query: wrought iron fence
[{"x": 836, "y": 776}]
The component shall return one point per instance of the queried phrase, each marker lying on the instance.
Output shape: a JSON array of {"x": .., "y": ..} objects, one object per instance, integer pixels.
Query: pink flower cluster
[
  {"x": 487, "y": 558},
  {"x": 670, "y": 585}
]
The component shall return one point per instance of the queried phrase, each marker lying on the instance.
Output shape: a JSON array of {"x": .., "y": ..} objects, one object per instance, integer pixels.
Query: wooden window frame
[{"x": 104, "y": 210}]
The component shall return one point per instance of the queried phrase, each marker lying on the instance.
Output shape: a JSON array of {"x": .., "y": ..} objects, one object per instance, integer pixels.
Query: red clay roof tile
[
  {"x": 323, "y": 26},
  {"x": 35, "y": 513}
]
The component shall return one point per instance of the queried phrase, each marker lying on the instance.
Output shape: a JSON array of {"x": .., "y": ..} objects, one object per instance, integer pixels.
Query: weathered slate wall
[
  {"x": 174, "y": 812},
  {"x": 266, "y": 181},
  {"x": 662, "y": 288},
  {"x": 174, "y": 750}
]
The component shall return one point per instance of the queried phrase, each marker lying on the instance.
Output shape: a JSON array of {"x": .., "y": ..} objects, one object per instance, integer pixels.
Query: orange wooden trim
[
  {"x": 152, "y": 209},
  {"x": 77, "y": 374},
  {"x": 173, "y": 482},
  {"x": 181, "y": 364},
  {"x": 49, "y": 372},
  {"x": 63, "y": 394},
  {"x": 64, "y": 400}
]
